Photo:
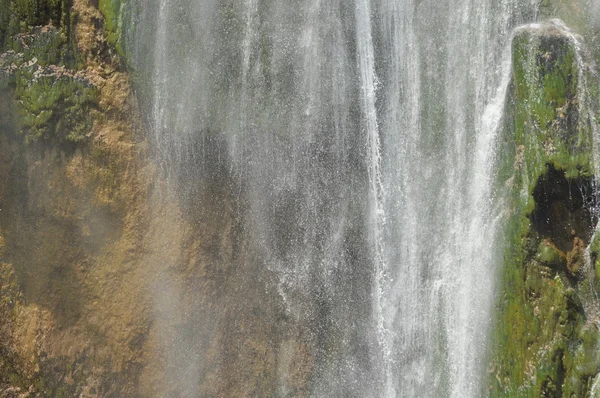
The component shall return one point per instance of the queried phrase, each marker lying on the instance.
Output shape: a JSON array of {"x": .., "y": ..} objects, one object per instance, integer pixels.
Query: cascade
[
  {"x": 312, "y": 198},
  {"x": 358, "y": 138}
]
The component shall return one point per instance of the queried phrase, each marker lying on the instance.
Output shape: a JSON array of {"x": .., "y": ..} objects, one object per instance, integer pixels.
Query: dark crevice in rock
[{"x": 564, "y": 212}]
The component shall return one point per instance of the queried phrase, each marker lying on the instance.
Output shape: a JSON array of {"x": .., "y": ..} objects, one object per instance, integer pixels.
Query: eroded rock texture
[{"x": 73, "y": 313}]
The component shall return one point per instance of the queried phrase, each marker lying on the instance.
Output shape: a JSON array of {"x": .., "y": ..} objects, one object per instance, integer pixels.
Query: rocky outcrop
[
  {"x": 73, "y": 313},
  {"x": 546, "y": 340}
]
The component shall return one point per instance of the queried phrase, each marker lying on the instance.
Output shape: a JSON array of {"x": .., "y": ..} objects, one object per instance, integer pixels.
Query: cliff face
[
  {"x": 73, "y": 313},
  {"x": 546, "y": 340},
  {"x": 89, "y": 233},
  {"x": 90, "y": 236}
]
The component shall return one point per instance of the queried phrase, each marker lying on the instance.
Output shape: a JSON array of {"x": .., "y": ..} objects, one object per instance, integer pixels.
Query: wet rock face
[
  {"x": 564, "y": 209},
  {"x": 72, "y": 315},
  {"x": 544, "y": 340}
]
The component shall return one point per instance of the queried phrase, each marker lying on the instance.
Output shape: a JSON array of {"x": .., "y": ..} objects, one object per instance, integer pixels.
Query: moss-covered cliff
[
  {"x": 546, "y": 340},
  {"x": 70, "y": 207},
  {"x": 86, "y": 232}
]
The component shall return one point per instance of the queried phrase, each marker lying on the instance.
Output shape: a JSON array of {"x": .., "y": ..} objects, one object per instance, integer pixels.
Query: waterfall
[
  {"x": 440, "y": 117},
  {"x": 359, "y": 138}
]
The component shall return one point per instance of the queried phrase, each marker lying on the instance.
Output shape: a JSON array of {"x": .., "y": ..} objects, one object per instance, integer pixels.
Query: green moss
[
  {"x": 113, "y": 16},
  {"x": 46, "y": 45},
  {"x": 20, "y": 16},
  {"x": 53, "y": 104},
  {"x": 548, "y": 254},
  {"x": 546, "y": 117},
  {"x": 541, "y": 344}
]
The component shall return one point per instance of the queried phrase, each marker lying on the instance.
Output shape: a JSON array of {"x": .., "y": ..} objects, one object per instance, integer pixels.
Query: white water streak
[
  {"x": 366, "y": 67},
  {"x": 335, "y": 113}
]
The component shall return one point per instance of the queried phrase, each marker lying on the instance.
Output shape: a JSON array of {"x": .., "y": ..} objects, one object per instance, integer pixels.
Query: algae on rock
[
  {"x": 113, "y": 14},
  {"x": 545, "y": 342}
]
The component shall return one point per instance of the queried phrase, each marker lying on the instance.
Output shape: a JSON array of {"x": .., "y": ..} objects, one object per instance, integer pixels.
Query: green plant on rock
[
  {"x": 40, "y": 12},
  {"x": 46, "y": 45},
  {"x": 543, "y": 343},
  {"x": 19, "y": 16},
  {"x": 53, "y": 105},
  {"x": 113, "y": 17}
]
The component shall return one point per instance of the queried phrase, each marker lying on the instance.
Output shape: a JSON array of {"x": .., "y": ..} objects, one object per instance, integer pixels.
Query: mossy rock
[
  {"x": 543, "y": 344},
  {"x": 45, "y": 44},
  {"x": 113, "y": 15},
  {"x": 53, "y": 104},
  {"x": 547, "y": 121},
  {"x": 19, "y": 16},
  {"x": 550, "y": 255}
]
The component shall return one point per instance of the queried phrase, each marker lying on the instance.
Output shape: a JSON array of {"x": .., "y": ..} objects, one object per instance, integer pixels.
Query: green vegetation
[
  {"x": 20, "y": 16},
  {"x": 53, "y": 103},
  {"x": 113, "y": 16},
  {"x": 47, "y": 45},
  {"x": 543, "y": 343}
]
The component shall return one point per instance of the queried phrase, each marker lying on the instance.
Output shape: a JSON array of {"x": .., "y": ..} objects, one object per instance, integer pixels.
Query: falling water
[{"x": 359, "y": 136}]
